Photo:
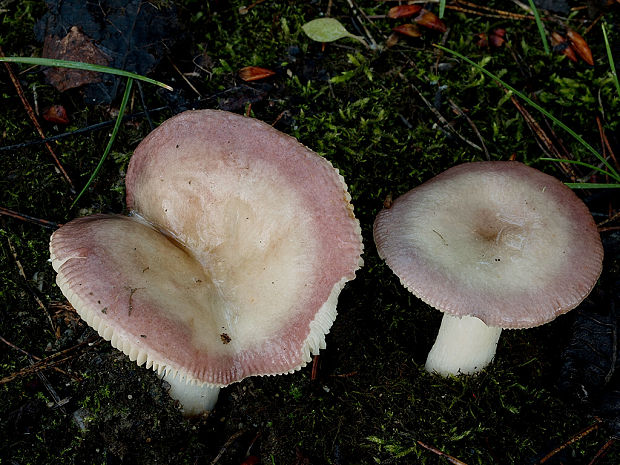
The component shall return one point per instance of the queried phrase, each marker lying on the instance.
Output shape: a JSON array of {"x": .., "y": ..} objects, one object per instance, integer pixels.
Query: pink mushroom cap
[
  {"x": 230, "y": 265},
  {"x": 499, "y": 241}
]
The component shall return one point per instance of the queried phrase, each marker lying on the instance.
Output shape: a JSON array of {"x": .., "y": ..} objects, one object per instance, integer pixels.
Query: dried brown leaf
[
  {"x": 431, "y": 21},
  {"x": 255, "y": 73},
  {"x": 410, "y": 30},
  {"x": 403, "y": 11},
  {"x": 580, "y": 46},
  {"x": 56, "y": 114}
]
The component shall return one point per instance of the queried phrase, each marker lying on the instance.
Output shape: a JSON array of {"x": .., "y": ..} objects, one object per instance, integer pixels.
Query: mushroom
[
  {"x": 492, "y": 245},
  {"x": 230, "y": 264}
]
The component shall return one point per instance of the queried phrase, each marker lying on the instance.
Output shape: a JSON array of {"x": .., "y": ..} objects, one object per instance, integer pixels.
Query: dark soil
[{"x": 375, "y": 115}]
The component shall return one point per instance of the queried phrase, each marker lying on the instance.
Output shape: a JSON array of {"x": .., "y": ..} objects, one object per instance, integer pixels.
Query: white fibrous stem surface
[
  {"x": 464, "y": 345},
  {"x": 195, "y": 398}
]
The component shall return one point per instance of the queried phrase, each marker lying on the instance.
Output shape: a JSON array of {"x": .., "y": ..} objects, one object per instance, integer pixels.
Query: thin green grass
[
  {"x": 117, "y": 125},
  {"x": 51, "y": 62},
  {"x": 610, "y": 57},
  {"x": 442, "y": 8},
  {"x": 541, "y": 27},
  {"x": 611, "y": 172}
]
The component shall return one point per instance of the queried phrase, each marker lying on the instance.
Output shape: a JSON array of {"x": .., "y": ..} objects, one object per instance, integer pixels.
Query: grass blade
[
  {"x": 581, "y": 163},
  {"x": 117, "y": 125},
  {"x": 82, "y": 66},
  {"x": 541, "y": 28},
  {"x": 591, "y": 185},
  {"x": 611, "y": 59},
  {"x": 442, "y": 7},
  {"x": 613, "y": 173}
]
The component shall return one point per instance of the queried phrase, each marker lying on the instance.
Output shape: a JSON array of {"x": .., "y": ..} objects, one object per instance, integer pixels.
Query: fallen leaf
[
  {"x": 392, "y": 40},
  {"x": 431, "y": 21},
  {"x": 75, "y": 46},
  {"x": 560, "y": 45},
  {"x": 410, "y": 30},
  {"x": 255, "y": 73},
  {"x": 56, "y": 114},
  {"x": 327, "y": 30},
  {"x": 403, "y": 11},
  {"x": 496, "y": 40},
  {"x": 482, "y": 40},
  {"x": 580, "y": 46}
]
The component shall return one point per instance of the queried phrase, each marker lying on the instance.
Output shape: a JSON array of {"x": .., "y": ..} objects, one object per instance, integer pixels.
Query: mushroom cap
[
  {"x": 499, "y": 241},
  {"x": 231, "y": 263}
]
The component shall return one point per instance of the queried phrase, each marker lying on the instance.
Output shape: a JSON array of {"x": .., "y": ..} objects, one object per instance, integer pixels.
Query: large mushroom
[
  {"x": 492, "y": 245},
  {"x": 230, "y": 264}
]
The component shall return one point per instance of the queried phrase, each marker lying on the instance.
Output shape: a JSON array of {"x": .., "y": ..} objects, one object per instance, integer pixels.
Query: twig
[
  {"x": 473, "y": 126},
  {"x": 227, "y": 444},
  {"x": 20, "y": 268},
  {"x": 48, "y": 362},
  {"x": 183, "y": 77},
  {"x": 602, "y": 452},
  {"x": 34, "y": 119},
  {"x": 59, "y": 370},
  {"x": 570, "y": 441},
  {"x": 543, "y": 138},
  {"x": 449, "y": 458},
  {"x": 445, "y": 124},
  {"x": 605, "y": 142},
  {"x": 373, "y": 44},
  {"x": 31, "y": 219}
]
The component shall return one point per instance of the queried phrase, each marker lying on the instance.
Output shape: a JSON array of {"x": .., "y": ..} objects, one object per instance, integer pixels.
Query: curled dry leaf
[
  {"x": 410, "y": 30},
  {"x": 580, "y": 46},
  {"x": 255, "y": 73},
  {"x": 403, "y": 11},
  {"x": 560, "y": 45},
  {"x": 496, "y": 40},
  {"x": 392, "y": 40},
  {"x": 482, "y": 40},
  {"x": 56, "y": 114},
  {"x": 431, "y": 21}
]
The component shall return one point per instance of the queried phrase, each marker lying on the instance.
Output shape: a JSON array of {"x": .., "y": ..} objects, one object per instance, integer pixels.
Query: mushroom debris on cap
[
  {"x": 231, "y": 262},
  {"x": 492, "y": 245}
]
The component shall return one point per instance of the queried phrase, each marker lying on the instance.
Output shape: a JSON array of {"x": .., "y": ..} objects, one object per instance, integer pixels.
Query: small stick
[
  {"x": 449, "y": 458},
  {"x": 31, "y": 219},
  {"x": 59, "y": 370},
  {"x": 48, "y": 362},
  {"x": 226, "y": 445},
  {"x": 184, "y": 78},
  {"x": 473, "y": 126},
  {"x": 570, "y": 441},
  {"x": 602, "y": 452},
  {"x": 373, "y": 45},
  {"x": 605, "y": 142},
  {"x": 34, "y": 119}
]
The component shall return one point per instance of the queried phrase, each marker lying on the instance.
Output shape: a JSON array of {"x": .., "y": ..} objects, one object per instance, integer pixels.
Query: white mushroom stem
[
  {"x": 195, "y": 398},
  {"x": 464, "y": 345}
]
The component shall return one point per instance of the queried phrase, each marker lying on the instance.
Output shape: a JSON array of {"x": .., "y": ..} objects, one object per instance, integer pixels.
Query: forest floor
[{"x": 389, "y": 113}]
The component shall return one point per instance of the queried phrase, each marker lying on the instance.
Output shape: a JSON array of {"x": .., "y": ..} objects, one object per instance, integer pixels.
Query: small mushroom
[
  {"x": 230, "y": 264},
  {"x": 492, "y": 245}
]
